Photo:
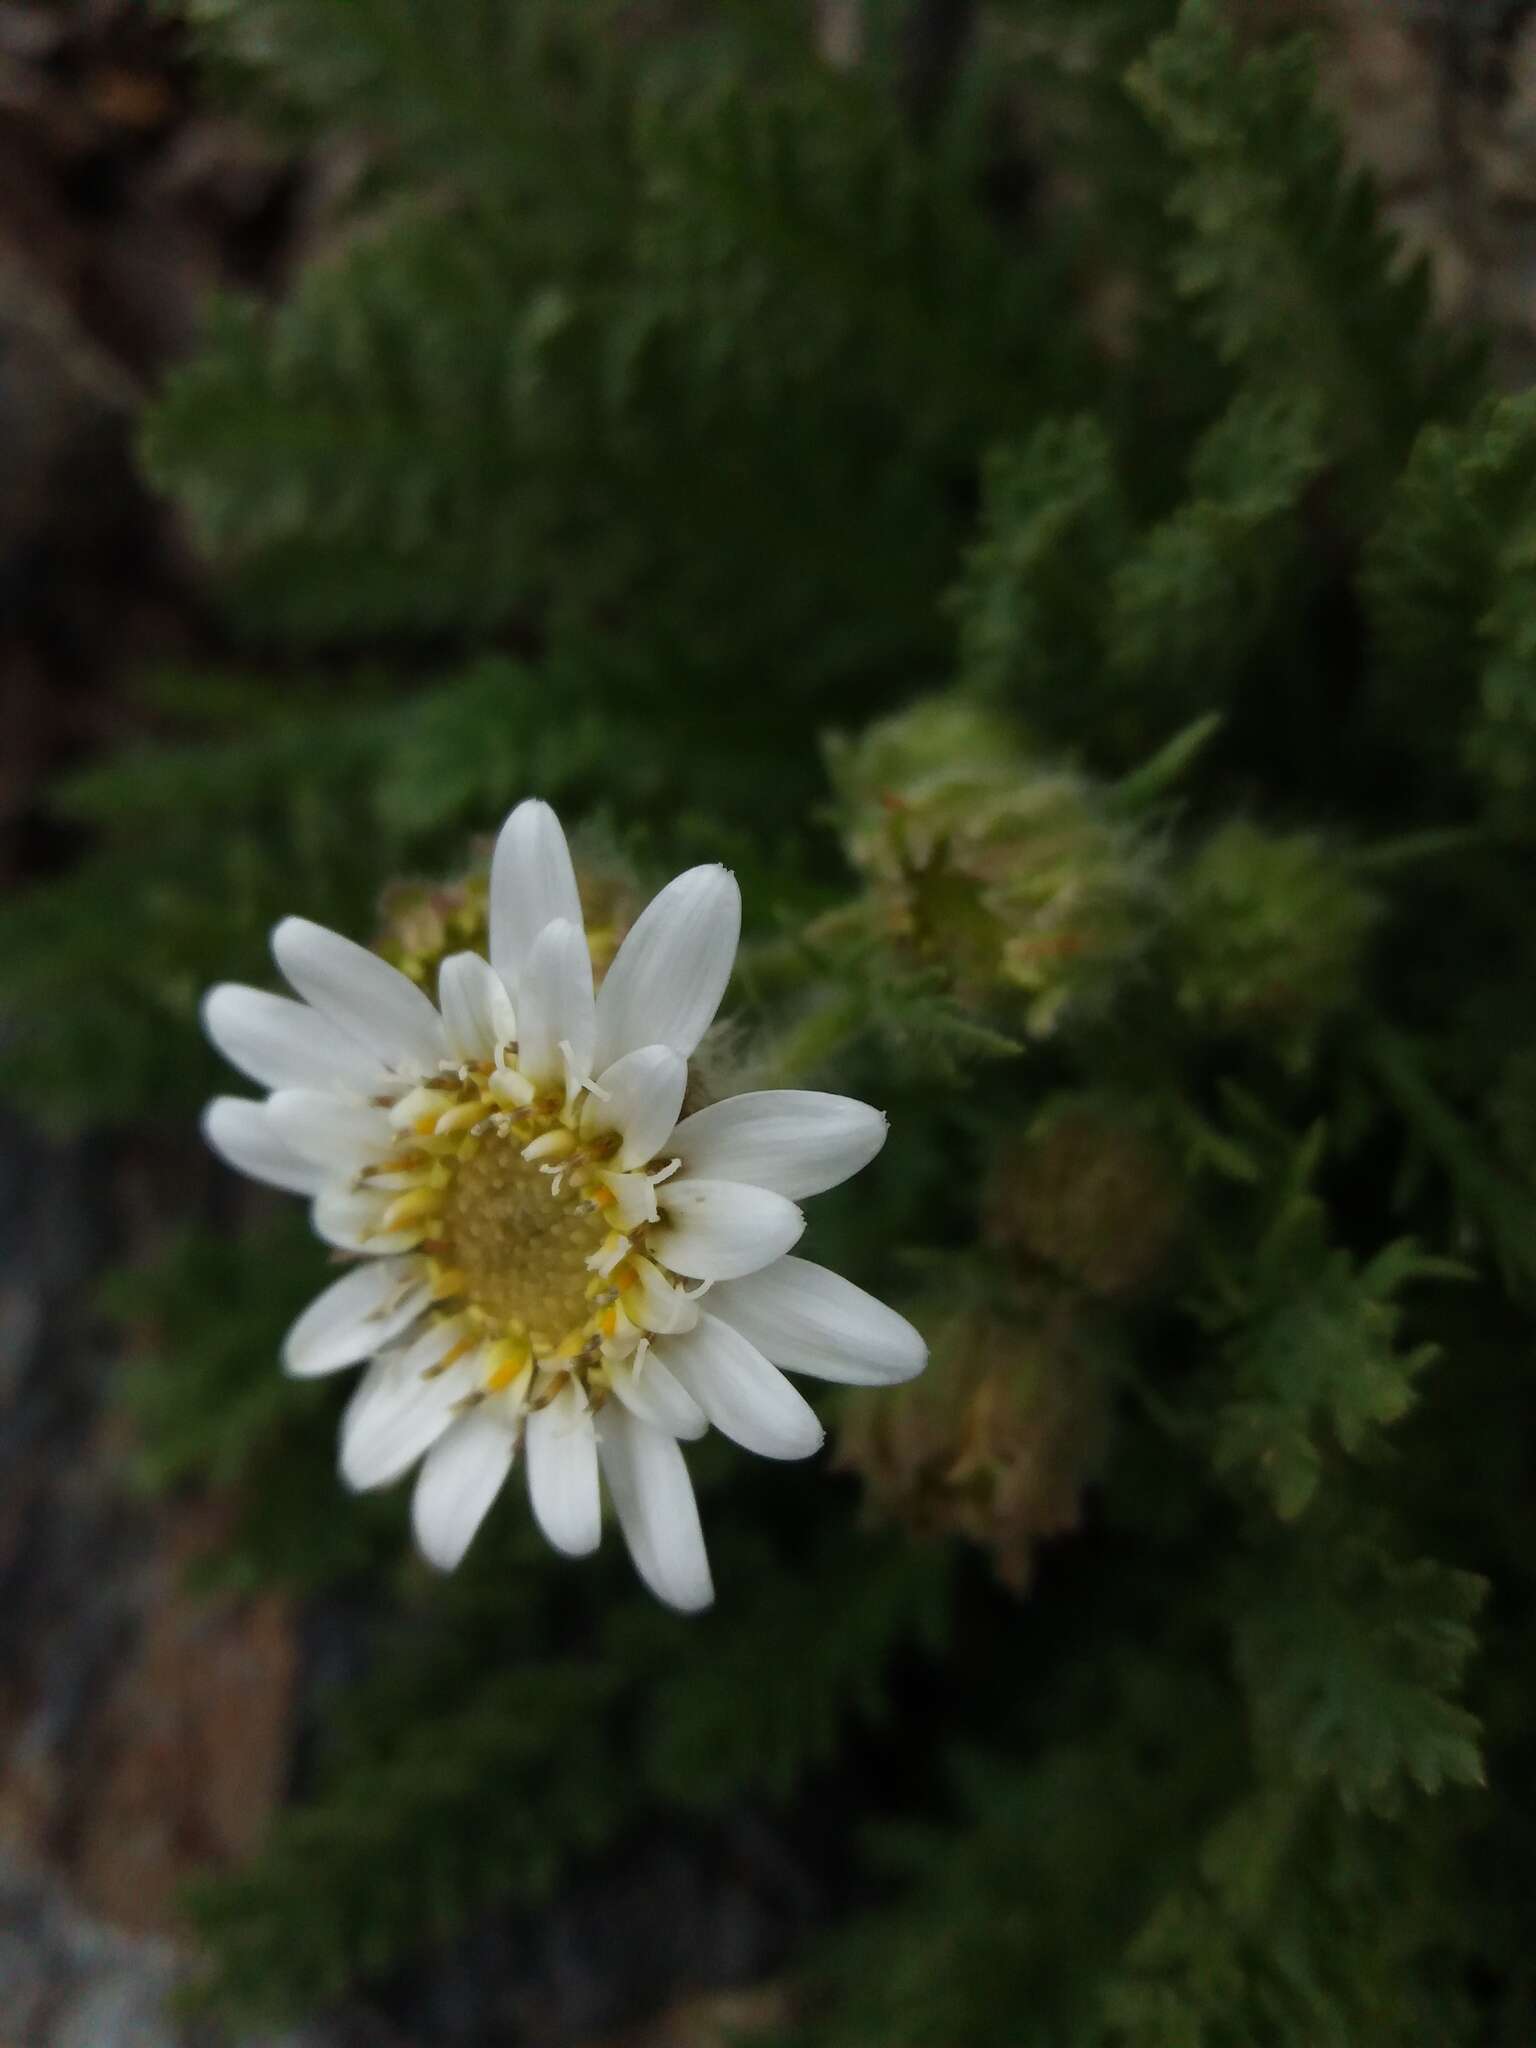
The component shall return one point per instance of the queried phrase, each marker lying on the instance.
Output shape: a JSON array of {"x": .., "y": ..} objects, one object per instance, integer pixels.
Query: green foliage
[
  {"x": 1311, "y": 1361},
  {"x": 1076, "y": 448},
  {"x": 1053, "y": 527},
  {"x": 200, "y": 847},
  {"x": 1061, "y": 584},
  {"x": 1314, "y": 1363},
  {"x": 1352, "y": 1660},
  {"x": 1202, "y": 593},
  {"x": 745, "y": 1720},
  {"x": 211, "y": 1310},
  {"x": 1251, "y": 1949},
  {"x": 687, "y": 306},
  {"x": 1284, "y": 256},
  {"x": 598, "y": 1713},
  {"x": 1020, "y": 1904},
  {"x": 208, "y": 1407},
  {"x": 1448, "y": 579}
]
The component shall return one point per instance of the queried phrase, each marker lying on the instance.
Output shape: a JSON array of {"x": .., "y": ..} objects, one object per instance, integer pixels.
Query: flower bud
[
  {"x": 1269, "y": 934},
  {"x": 421, "y": 923},
  {"x": 997, "y": 1442},
  {"x": 1089, "y": 1194},
  {"x": 1013, "y": 874}
]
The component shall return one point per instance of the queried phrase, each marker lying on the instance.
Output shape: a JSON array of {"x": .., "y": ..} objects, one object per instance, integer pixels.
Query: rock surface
[
  {"x": 1438, "y": 99},
  {"x": 67, "y": 1981}
]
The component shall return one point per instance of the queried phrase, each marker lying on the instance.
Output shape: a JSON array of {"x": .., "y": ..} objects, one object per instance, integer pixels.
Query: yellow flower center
[
  {"x": 521, "y": 1248},
  {"x": 514, "y": 1210}
]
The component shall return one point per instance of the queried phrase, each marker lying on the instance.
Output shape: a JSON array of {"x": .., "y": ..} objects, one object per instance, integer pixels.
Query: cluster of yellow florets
[{"x": 497, "y": 1187}]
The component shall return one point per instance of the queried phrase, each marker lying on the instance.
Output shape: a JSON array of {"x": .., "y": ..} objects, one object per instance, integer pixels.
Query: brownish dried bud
[
  {"x": 1089, "y": 1194},
  {"x": 998, "y": 1439}
]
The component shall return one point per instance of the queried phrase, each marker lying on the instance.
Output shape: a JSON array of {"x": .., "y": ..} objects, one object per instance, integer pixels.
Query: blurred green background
[{"x": 998, "y": 477}]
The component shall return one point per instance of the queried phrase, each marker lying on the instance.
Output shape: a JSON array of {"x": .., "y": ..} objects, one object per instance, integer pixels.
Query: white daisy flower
[{"x": 544, "y": 1255}]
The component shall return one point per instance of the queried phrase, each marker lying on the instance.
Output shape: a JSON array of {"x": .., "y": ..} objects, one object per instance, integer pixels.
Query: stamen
[
  {"x": 553, "y": 1145},
  {"x": 511, "y": 1192},
  {"x": 398, "y": 1162},
  {"x": 415, "y": 1104},
  {"x": 387, "y": 1307},
  {"x": 451, "y": 1356},
  {"x": 411, "y": 1207},
  {"x": 510, "y": 1088},
  {"x": 605, "y": 1260},
  {"x": 506, "y": 1370}
]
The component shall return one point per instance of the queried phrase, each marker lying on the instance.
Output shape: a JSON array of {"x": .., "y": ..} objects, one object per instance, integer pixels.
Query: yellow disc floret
[
  {"x": 534, "y": 1243},
  {"x": 522, "y": 1249}
]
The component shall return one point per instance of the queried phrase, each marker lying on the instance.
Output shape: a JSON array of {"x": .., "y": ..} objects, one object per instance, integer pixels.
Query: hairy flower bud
[
  {"x": 1269, "y": 930},
  {"x": 1013, "y": 874},
  {"x": 421, "y": 923}
]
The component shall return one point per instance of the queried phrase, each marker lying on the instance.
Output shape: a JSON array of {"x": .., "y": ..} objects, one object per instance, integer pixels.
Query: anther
[
  {"x": 558, "y": 1144},
  {"x": 510, "y": 1088},
  {"x": 410, "y": 1207}
]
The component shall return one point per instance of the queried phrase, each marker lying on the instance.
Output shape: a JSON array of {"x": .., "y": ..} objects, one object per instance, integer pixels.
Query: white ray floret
[{"x": 548, "y": 1261}]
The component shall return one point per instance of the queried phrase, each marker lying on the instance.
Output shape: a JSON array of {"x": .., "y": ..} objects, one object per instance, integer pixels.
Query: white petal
[
  {"x": 477, "y": 1011},
  {"x": 791, "y": 1140},
  {"x": 460, "y": 1476},
  {"x": 349, "y": 1218},
  {"x": 745, "y": 1397},
  {"x": 532, "y": 884},
  {"x": 653, "y": 1498},
  {"x": 644, "y": 1092},
  {"x": 361, "y": 993},
  {"x": 284, "y": 1044},
  {"x": 718, "y": 1229},
  {"x": 657, "y": 1397},
  {"x": 654, "y": 1303},
  {"x": 809, "y": 1320},
  {"x": 397, "y": 1412},
  {"x": 338, "y": 1135},
  {"x": 554, "y": 1003},
  {"x": 245, "y": 1137},
  {"x": 356, "y": 1316},
  {"x": 634, "y": 1200},
  {"x": 668, "y": 976},
  {"x": 562, "y": 1475}
]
